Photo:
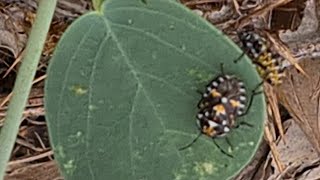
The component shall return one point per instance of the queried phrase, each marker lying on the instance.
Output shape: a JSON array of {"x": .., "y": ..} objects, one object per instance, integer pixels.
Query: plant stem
[
  {"x": 24, "y": 79},
  {"x": 97, "y": 4}
]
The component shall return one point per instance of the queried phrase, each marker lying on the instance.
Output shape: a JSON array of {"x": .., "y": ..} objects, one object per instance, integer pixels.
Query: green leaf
[{"x": 121, "y": 95}]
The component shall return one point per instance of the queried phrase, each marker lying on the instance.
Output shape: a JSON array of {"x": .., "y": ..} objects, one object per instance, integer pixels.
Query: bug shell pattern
[
  {"x": 223, "y": 100},
  {"x": 214, "y": 126},
  {"x": 268, "y": 63}
]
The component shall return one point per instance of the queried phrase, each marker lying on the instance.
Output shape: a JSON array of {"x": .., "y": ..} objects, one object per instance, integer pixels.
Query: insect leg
[
  {"x": 190, "y": 144},
  {"x": 254, "y": 93},
  {"x": 243, "y": 123},
  {"x": 222, "y": 151},
  {"x": 240, "y": 57},
  {"x": 229, "y": 143}
]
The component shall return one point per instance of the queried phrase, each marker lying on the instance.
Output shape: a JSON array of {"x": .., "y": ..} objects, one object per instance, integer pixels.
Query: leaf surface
[{"x": 121, "y": 95}]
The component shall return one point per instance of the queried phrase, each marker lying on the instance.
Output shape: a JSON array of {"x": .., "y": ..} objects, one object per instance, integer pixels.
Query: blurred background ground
[{"x": 291, "y": 145}]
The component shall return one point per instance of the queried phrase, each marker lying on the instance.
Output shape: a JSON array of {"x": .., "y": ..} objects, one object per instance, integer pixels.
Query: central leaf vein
[
  {"x": 65, "y": 79},
  {"x": 131, "y": 67},
  {"x": 131, "y": 129}
]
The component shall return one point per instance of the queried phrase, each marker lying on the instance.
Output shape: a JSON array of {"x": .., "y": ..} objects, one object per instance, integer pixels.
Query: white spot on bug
[
  {"x": 212, "y": 124},
  {"x": 241, "y": 106},
  {"x": 247, "y": 36},
  {"x": 255, "y": 54},
  {"x": 206, "y": 114},
  {"x": 224, "y": 100},
  {"x": 224, "y": 122},
  {"x": 205, "y": 95},
  {"x": 249, "y": 44},
  {"x": 256, "y": 36},
  {"x": 214, "y": 84},
  {"x": 221, "y": 79},
  {"x": 228, "y": 77},
  {"x": 239, "y": 112},
  {"x": 226, "y": 129},
  {"x": 240, "y": 84},
  {"x": 254, "y": 51},
  {"x": 242, "y": 98},
  {"x": 209, "y": 88},
  {"x": 200, "y": 116},
  {"x": 242, "y": 90},
  {"x": 198, "y": 122}
]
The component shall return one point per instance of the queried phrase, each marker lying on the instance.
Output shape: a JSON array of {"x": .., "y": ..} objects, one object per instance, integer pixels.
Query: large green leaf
[{"x": 121, "y": 95}]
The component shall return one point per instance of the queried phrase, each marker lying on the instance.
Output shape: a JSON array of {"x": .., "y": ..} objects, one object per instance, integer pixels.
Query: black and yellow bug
[
  {"x": 224, "y": 99},
  {"x": 268, "y": 62},
  {"x": 226, "y": 91}
]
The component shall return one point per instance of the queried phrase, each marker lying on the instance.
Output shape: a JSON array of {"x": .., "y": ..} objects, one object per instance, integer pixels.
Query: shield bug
[
  {"x": 268, "y": 63},
  {"x": 224, "y": 99}
]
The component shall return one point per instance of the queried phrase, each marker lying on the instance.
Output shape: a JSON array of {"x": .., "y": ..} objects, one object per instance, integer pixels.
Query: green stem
[
  {"x": 24, "y": 79},
  {"x": 97, "y": 4}
]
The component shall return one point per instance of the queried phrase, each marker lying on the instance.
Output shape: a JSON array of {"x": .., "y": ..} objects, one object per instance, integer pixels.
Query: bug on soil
[{"x": 268, "y": 63}]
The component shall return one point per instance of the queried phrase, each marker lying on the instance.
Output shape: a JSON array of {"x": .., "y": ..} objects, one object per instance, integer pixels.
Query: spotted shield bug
[
  {"x": 224, "y": 99},
  {"x": 226, "y": 90},
  {"x": 268, "y": 62}
]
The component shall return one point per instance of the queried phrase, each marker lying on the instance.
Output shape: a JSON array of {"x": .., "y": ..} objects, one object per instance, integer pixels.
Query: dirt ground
[{"x": 291, "y": 145}]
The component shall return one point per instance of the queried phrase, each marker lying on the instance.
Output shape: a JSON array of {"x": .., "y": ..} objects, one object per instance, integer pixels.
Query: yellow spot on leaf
[
  {"x": 79, "y": 90},
  {"x": 204, "y": 168},
  {"x": 208, "y": 167},
  {"x": 69, "y": 167}
]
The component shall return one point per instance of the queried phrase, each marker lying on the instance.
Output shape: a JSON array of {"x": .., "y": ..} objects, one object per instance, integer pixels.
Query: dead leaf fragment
[{"x": 300, "y": 95}]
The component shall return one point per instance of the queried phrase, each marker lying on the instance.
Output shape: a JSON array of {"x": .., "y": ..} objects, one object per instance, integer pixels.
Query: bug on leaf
[{"x": 224, "y": 99}]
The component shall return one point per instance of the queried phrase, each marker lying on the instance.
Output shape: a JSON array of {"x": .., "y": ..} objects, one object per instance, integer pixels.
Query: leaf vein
[
  {"x": 131, "y": 67},
  {"x": 64, "y": 83},
  {"x": 166, "y": 43},
  {"x": 131, "y": 130},
  {"x": 152, "y": 11},
  {"x": 154, "y": 109},
  {"x": 164, "y": 82},
  {"x": 89, "y": 116}
]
